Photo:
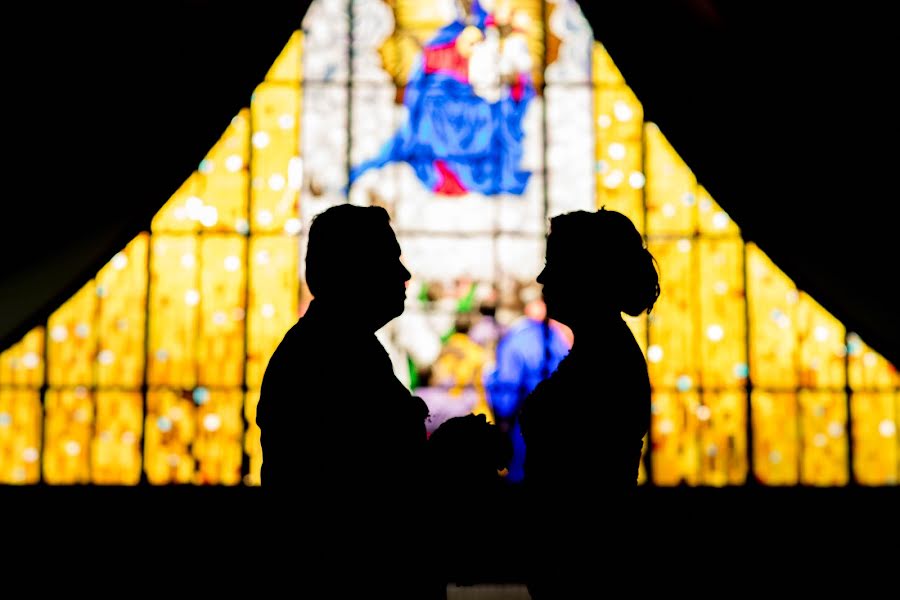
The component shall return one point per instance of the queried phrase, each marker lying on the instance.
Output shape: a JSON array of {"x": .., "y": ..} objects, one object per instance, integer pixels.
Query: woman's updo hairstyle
[{"x": 606, "y": 248}]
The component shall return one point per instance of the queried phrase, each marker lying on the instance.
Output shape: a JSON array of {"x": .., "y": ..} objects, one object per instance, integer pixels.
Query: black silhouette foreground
[{"x": 584, "y": 425}]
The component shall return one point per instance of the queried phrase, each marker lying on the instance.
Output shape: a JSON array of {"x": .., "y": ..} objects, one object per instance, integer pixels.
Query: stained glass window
[{"x": 472, "y": 123}]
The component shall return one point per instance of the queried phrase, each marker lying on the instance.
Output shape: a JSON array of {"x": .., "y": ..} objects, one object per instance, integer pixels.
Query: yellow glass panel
[
  {"x": 169, "y": 430},
  {"x": 605, "y": 70},
  {"x": 699, "y": 440},
  {"x": 220, "y": 344},
  {"x": 72, "y": 345},
  {"x": 276, "y": 166},
  {"x": 274, "y": 286},
  {"x": 20, "y": 435},
  {"x": 775, "y": 437},
  {"x": 673, "y": 431},
  {"x": 712, "y": 219},
  {"x": 121, "y": 314},
  {"x": 619, "y": 169},
  {"x": 222, "y": 188},
  {"x": 215, "y": 196},
  {"x": 252, "y": 447},
  {"x": 182, "y": 212},
  {"x": 116, "y": 447},
  {"x": 773, "y": 301},
  {"x": 68, "y": 428},
  {"x": 723, "y": 320},
  {"x": 218, "y": 445},
  {"x": 876, "y": 454},
  {"x": 868, "y": 369},
  {"x": 288, "y": 67},
  {"x": 722, "y": 438},
  {"x": 824, "y": 438},
  {"x": 174, "y": 300},
  {"x": 674, "y": 346},
  {"x": 821, "y": 345},
  {"x": 22, "y": 364},
  {"x": 671, "y": 190}
]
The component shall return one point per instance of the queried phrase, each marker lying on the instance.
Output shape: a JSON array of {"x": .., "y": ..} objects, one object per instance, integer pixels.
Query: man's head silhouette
[{"x": 353, "y": 264}]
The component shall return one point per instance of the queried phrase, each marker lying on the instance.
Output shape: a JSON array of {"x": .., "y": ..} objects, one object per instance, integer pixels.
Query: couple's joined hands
[{"x": 468, "y": 449}]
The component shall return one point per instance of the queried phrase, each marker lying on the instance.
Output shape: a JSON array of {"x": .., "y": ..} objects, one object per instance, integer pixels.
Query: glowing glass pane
[
  {"x": 673, "y": 430},
  {"x": 220, "y": 341},
  {"x": 571, "y": 183},
  {"x": 876, "y": 421},
  {"x": 22, "y": 364},
  {"x": 116, "y": 445},
  {"x": 222, "y": 189},
  {"x": 672, "y": 320},
  {"x": 218, "y": 444},
  {"x": 276, "y": 167},
  {"x": 68, "y": 429},
  {"x": 699, "y": 439},
  {"x": 326, "y": 31},
  {"x": 722, "y": 438},
  {"x": 618, "y": 124},
  {"x": 821, "y": 346},
  {"x": 174, "y": 300},
  {"x": 20, "y": 435},
  {"x": 518, "y": 258},
  {"x": 713, "y": 220},
  {"x": 722, "y": 317},
  {"x": 773, "y": 301},
  {"x": 323, "y": 148},
  {"x": 671, "y": 190},
  {"x": 606, "y": 73},
  {"x": 121, "y": 305},
  {"x": 72, "y": 347},
  {"x": 288, "y": 67},
  {"x": 184, "y": 208},
  {"x": 776, "y": 443},
  {"x": 169, "y": 430},
  {"x": 868, "y": 369},
  {"x": 272, "y": 310},
  {"x": 823, "y": 427}
]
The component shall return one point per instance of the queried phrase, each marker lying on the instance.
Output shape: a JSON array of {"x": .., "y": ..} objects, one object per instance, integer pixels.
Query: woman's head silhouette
[{"x": 597, "y": 267}]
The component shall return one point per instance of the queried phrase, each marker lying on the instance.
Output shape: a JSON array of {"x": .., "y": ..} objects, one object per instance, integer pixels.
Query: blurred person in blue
[{"x": 527, "y": 353}]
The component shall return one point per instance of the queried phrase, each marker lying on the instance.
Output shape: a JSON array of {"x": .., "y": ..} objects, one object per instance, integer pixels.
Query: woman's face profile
[{"x": 557, "y": 284}]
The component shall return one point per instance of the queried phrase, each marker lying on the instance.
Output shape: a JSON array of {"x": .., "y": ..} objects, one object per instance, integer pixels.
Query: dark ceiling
[{"x": 784, "y": 110}]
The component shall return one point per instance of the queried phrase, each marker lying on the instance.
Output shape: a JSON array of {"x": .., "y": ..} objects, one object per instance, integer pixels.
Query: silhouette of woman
[{"x": 584, "y": 425}]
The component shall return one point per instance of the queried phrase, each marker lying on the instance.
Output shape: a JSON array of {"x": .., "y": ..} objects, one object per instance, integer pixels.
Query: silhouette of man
[{"x": 343, "y": 440}]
